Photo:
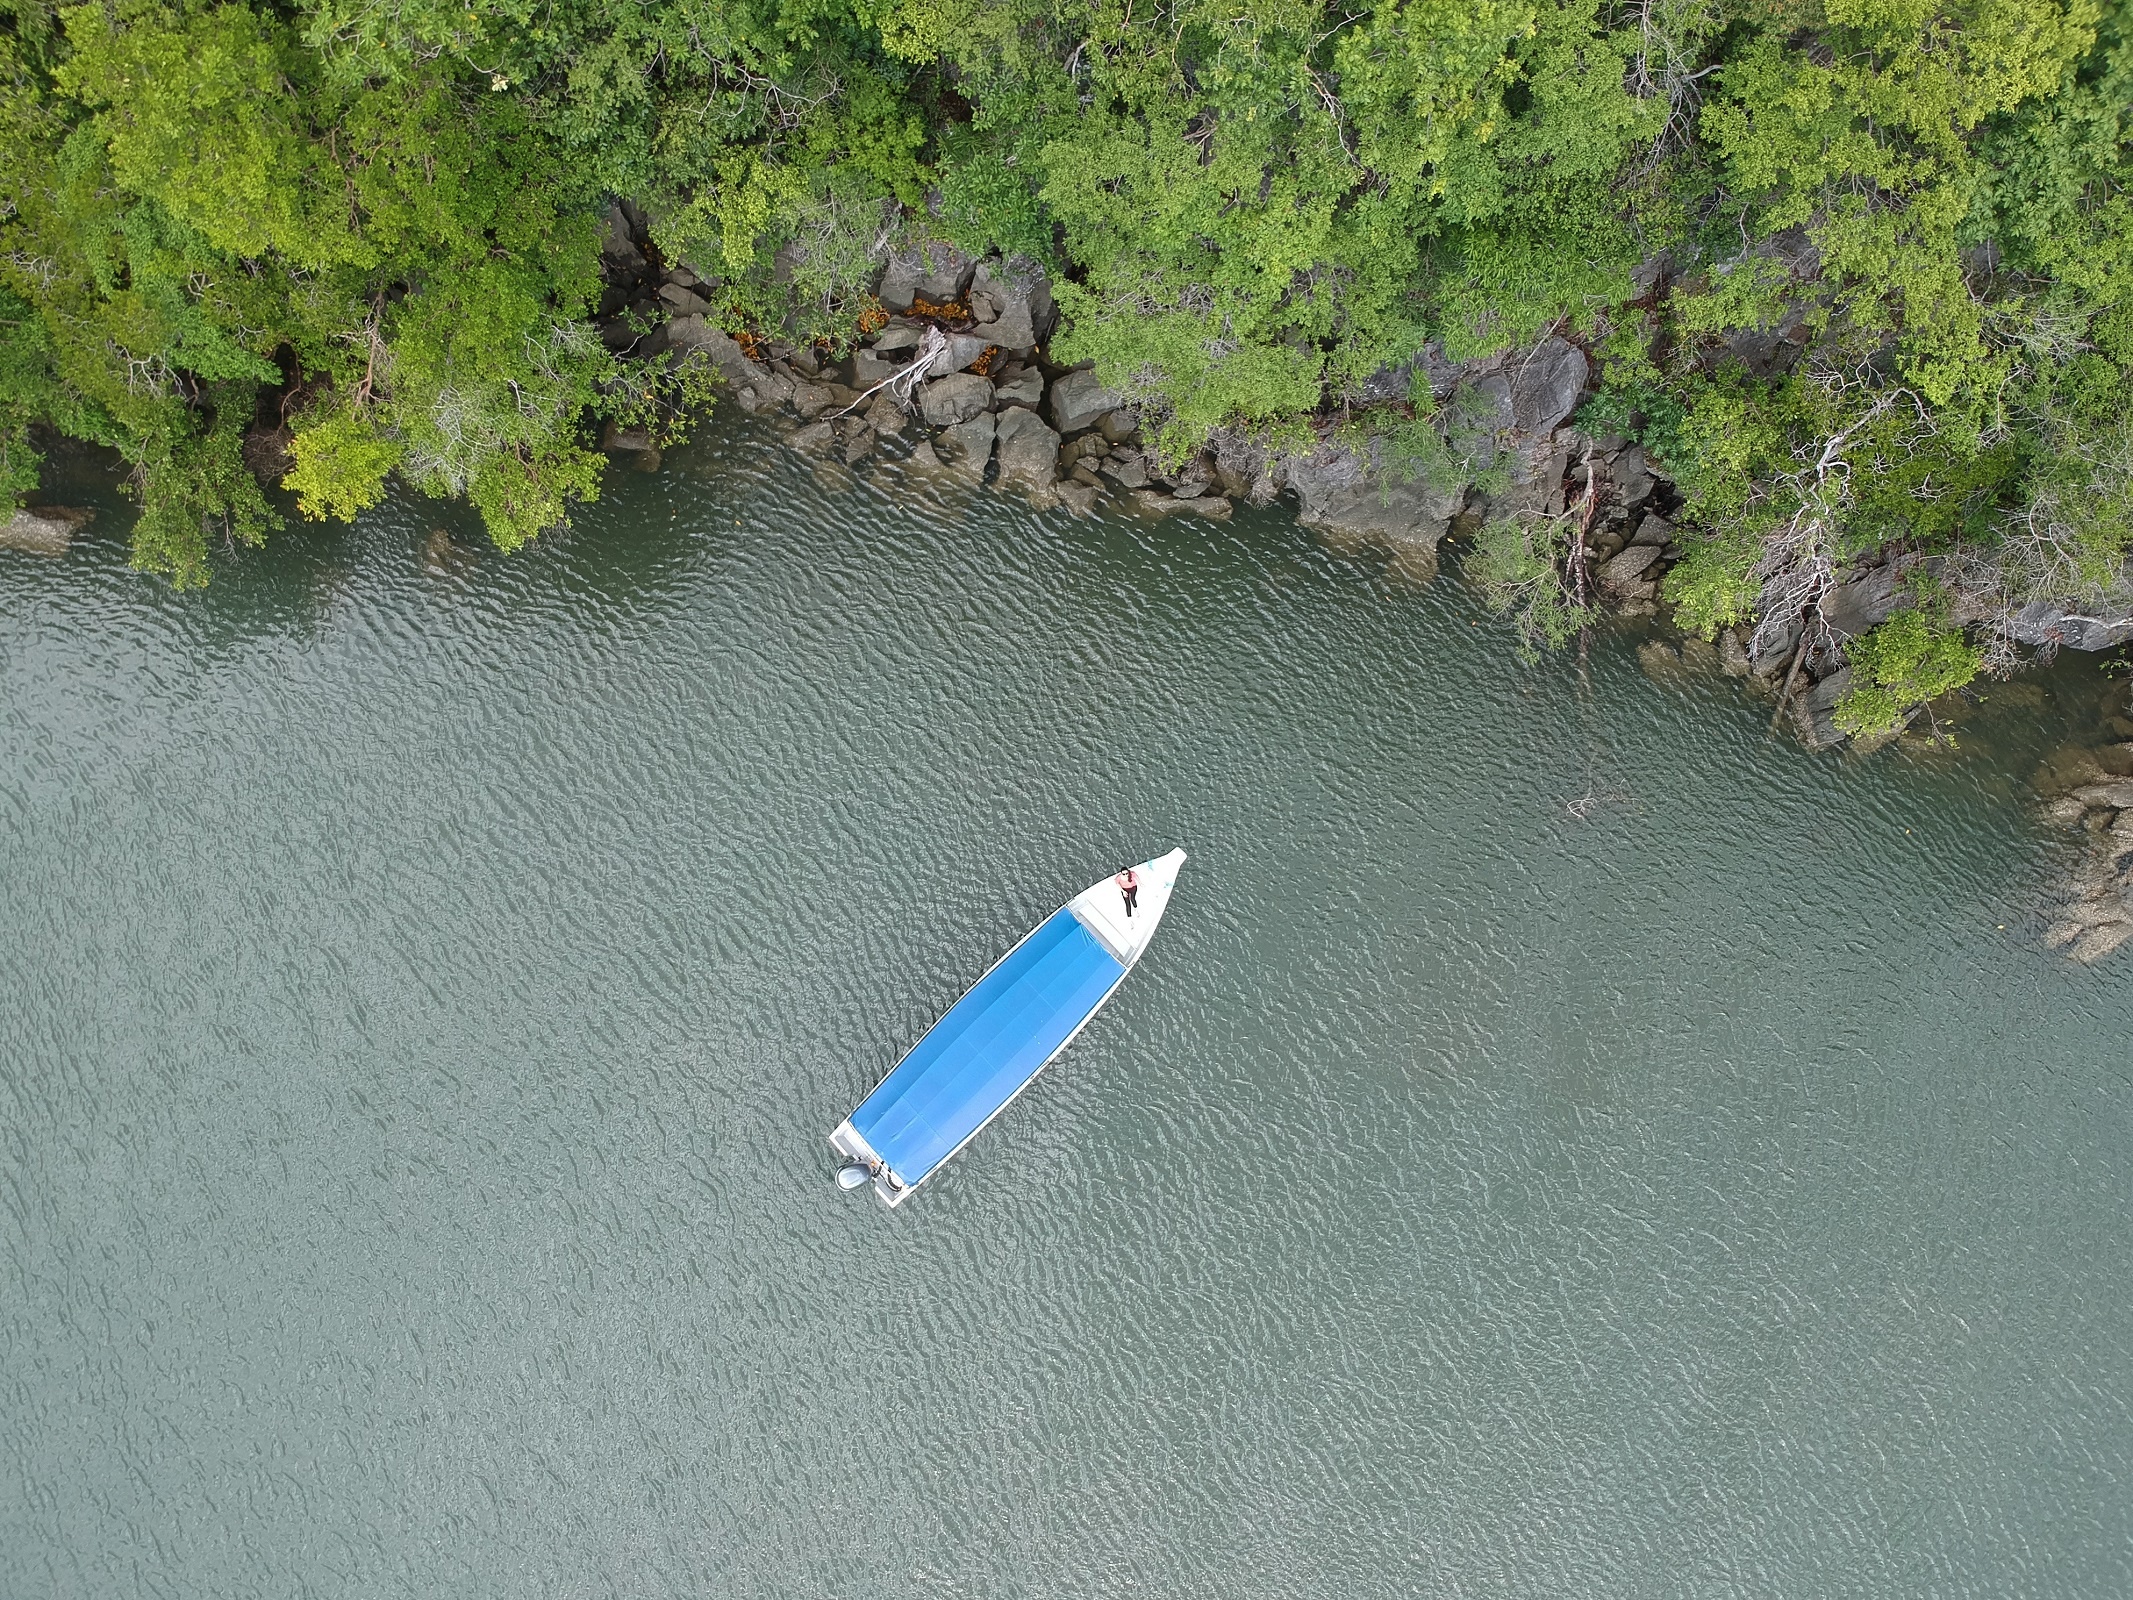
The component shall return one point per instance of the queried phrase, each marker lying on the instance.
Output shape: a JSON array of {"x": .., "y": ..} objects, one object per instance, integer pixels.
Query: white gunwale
[{"x": 1124, "y": 939}]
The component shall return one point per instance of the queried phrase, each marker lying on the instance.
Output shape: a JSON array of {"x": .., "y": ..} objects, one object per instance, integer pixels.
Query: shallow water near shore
[{"x": 1562, "y": 1142}]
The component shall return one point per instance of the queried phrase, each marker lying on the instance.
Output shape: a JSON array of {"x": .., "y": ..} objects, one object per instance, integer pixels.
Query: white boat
[{"x": 1008, "y": 1028}]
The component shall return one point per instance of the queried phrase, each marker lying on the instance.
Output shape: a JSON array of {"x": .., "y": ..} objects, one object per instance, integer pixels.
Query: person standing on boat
[{"x": 1129, "y": 888}]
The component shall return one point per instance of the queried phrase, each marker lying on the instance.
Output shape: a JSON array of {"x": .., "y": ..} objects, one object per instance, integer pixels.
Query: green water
[{"x": 430, "y": 977}]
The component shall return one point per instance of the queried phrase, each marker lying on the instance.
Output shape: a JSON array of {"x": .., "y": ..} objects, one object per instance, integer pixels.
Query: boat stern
[{"x": 850, "y": 1143}]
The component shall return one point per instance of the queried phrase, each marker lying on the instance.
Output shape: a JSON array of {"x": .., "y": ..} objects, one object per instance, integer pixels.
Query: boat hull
[{"x": 1011, "y": 1024}]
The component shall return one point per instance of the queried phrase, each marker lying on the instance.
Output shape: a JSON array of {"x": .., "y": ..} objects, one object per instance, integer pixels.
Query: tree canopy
[{"x": 377, "y": 227}]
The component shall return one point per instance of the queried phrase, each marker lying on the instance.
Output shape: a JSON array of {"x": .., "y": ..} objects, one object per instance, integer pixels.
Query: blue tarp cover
[{"x": 987, "y": 1047}]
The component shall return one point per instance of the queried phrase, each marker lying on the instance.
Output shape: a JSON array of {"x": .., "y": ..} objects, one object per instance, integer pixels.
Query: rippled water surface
[{"x": 1561, "y": 1144}]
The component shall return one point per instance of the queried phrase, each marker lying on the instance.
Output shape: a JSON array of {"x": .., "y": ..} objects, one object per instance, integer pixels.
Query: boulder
[
  {"x": 1018, "y": 296},
  {"x": 1654, "y": 530},
  {"x": 1632, "y": 475},
  {"x": 682, "y": 302},
  {"x": 619, "y": 255},
  {"x": 1078, "y": 497},
  {"x": 1155, "y": 503},
  {"x": 870, "y": 369},
  {"x": 1131, "y": 473},
  {"x": 811, "y": 399},
  {"x": 963, "y": 348},
  {"x": 1029, "y": 455},
  {"x": 931, "y": 270},
  {"x": 1862, "y": 603},
  {"x": 900, "y": 336},
  {"x": 1814, "y": 712},
  {"x": 1621, "y": 573},
  {"x": 1025, "y": 388},
  {"x": 967, "y": 446},
  {"x": 2116, "y": 795},
  {"x": 755, "y": 386},
  {"x": 1546, "y": 384},
  {"x": 884, "y": 415},
  {"x": 1078, "y": 400},
  {"x": 617, "y": 439},
  {"x": 813, "y": 440},
  {"x": 2053, "y": 622},
  {"x": 1733, "y": 654},
  {"x": 1120, "y": 425},
  {"x": 955, "y": 398},
  {"x": 42, "y": 530},
  {"x": 1346, "y": 491}
]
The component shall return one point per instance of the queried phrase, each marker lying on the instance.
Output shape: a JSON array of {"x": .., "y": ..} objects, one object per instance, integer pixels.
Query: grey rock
[
  {"x": 1026, "y": 388},
  {"x": 1545, "y": 385},
  {"x": 1340, "y": 489},
  {"x": 955, "y": 398},
  {"x": 1621, "y": 572},
  {"x": 1078, "y": 497},
  {"x": 1131, "y": 473},
  {"x": 811, "y": 399},
  {"x": 1733, "y": 654},
  {"x": 858, "y": 444},
  {"x": 1653, "y": 530},
  {"x": 1212, "y": 506},
  {"x": 931, "y": 270},
  {"x": 1078, "y": 400},
  {"x": 618, "y": 249},
  {"x": 885, "y": 416},
  {"x": 1650, "y": 275},
  {"x": 1862, "y": 603},
  {"x": 1029, "y": 455},
  {"x": 2116, "y": 795},
  {"x": 1387, "y": 385},
  {"x": 1632, "y": 474},
  {"x": 869, "y": 369},
  {"x": 681, "y": 301},
  {"x": 1777, "y": 651},
  {"x": 2098, "y": 627},
  {"x": 1814, "y": 713},
  {"x": 963, "y": 348},
  {"x": 813, "y": 440},
  {"x": 756, "y": 387},
  {"x": 1154, "y": 503},
  {"x": 1020, "y": 296},
  {"x": 43, "y": 530},
  {"x": 898, "y": 336},
  {"x": 1081, "y": 473},
  {"x": 1120, "y": 425},
  {"x": 968, "y": 445},
  {"x": 617, "y": 439}
]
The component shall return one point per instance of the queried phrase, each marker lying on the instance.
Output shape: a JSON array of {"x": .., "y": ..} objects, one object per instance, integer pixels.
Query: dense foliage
[{"x": 1899, "y": 236}]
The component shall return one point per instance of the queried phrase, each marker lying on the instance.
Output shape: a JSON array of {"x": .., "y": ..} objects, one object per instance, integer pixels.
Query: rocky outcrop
[
  {"x": 755, "y": 386},
  {"x": 43, "y": 530},
  {"x": 1080, "y": 401},
  {"x": 1341, "y": 488},
  {"x": 2090, "y": 791},
  {"x": 955, "y": 398},
  {"x": 1028, "y": 454},
  {"x": 989, "y": 403}
]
